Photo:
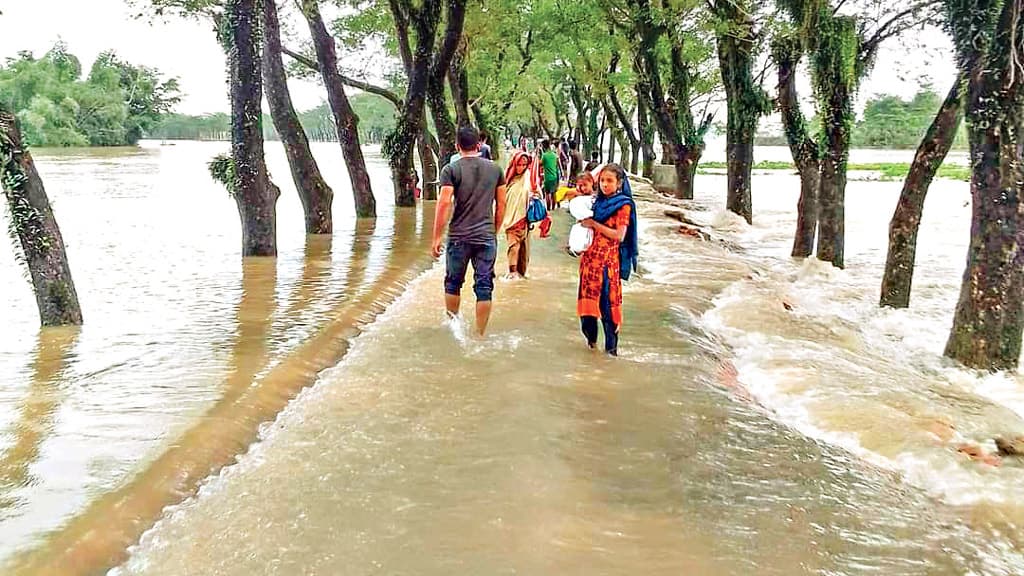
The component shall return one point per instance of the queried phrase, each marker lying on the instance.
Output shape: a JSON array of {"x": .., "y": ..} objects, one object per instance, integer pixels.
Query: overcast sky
[{"x": 187, "y": 49}]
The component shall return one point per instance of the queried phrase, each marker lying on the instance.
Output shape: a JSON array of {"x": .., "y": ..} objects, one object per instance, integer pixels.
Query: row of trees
[
  {"x": 114, "y": 105},
  {"x": 641, "y": 69},
  {"x": 894, "y": 123},
  {"x": 376, "y": 120}
]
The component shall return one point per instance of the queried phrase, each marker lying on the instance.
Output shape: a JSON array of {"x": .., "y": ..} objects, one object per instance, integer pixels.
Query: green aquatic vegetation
[{"x": 888, "y": 171}]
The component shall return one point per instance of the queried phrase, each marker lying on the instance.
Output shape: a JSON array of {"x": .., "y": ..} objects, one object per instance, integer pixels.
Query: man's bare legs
[
  {"x": 483, "y": 315},
  {"x": 452, "y": 302}
]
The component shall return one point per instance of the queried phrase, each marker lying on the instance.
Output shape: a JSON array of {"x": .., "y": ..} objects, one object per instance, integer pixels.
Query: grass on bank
[{"x": 888, "y": 171}]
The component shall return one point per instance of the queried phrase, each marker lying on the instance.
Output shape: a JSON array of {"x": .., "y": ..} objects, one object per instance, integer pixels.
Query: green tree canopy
[{"x": 113, "y": 106}]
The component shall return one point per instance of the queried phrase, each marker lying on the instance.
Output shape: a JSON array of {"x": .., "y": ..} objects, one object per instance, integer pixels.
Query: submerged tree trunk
[
  {"x": 315, "y": 194},
  {"x": 786, "y": 52},
  {"x": 442, "y": 119},
  {"x": 746, "y": 101},
  {"x": 35, "y": 226},
  {"x": 254, "y": 193},
  {"x": 686, "y": 160},
  {"x": 832, "y": 189},
  {"x": 835, "y": 77},
  {"x": 344, "y": 117},
  {"x": 458, "y": 80},
  {"x": 428, "y": 169},
  {"x": 899, "y": 265},
  {"x": 989, "y": 318},
  {"x": 646, "y": 134}
]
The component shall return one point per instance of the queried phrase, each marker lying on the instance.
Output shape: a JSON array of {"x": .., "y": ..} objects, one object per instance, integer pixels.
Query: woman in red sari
[{"x": 610, "y": 258}]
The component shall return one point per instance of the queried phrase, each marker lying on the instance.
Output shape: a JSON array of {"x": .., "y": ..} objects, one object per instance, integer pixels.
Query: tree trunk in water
[
  {"x": 786, "y": 52},
  {"x": 33, "y": 222},
  {"x": 315, "y": 194},
  {"x": 686, "y": 160},
  {"x": 807, "y": 210},
  {"x": 989, "y": 318},
  {"x": 458, "y": 80},
  {"x": 344, "y": 117},
  {"x": 646, "y": 135},
  {"x": 411, "y": 128},
  {"x": 832, "y": 189},
  {"x": 739, "y": 148},
  {"x": 746, "y": 101},
  {"x": 428, "y": 167},
  {"x": 899, "y": 265},
  {"x": 442, "y": 120},
  {"x": 254, "y": 193}
]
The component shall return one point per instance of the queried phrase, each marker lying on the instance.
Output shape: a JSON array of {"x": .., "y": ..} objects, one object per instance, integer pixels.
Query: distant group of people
[{"x": 478, "y": 200}]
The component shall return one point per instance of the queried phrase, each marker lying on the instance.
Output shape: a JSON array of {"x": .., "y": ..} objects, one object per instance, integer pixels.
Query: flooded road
[
  {"x": 185, "y": 347},
  {"x": 733, "y": 435},
  {"x": 526, "y": 453}
]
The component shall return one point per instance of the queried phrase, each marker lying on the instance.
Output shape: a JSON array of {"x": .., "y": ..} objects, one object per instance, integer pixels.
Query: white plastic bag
[
  {"x": 580, "y": 238},
  {"x": 582, "y": 207}
]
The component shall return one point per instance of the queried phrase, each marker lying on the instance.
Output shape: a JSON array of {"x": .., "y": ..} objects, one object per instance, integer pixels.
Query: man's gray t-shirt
[{"x": 475, "y": 180}]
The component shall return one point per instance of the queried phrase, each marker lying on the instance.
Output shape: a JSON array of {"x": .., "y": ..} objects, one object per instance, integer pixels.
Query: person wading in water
[
  {"x": 549, "y": 163},
  {"x": 611, "y": 258},
  {"x": 515, "y": 225},
  {"x": 475, "y": 187}
]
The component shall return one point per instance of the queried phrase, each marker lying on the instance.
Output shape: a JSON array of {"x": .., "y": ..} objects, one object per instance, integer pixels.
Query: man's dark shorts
[
  {"x": 482, "y": 253},
  {"x": 550, "y": 187}
]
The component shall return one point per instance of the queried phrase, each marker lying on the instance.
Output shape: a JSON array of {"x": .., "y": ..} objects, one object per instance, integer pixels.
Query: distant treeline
[
  {"x": 376, "y": 118},
  {"x": 114, "y": 105},
  {"x": 889, "y": 122}
]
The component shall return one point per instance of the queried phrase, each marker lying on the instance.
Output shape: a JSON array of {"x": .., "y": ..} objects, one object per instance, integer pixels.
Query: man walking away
[
  {"x": 550, "y": 163},
  {"x": 575, "y": 163},
  {"x": 485, "y": 149},
  {"x": 563, "y": 158},
  {"x": 475, "y": 188}
]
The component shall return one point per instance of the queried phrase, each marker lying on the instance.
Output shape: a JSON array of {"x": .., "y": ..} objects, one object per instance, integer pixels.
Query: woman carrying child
[{"x": 611, "y": 258}]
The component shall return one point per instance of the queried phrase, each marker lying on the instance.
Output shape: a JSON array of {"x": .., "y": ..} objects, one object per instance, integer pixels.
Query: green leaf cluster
[{"x": 115, "y": 105}]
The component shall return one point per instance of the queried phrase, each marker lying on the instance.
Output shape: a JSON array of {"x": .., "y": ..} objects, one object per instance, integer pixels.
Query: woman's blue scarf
[{"x": 604, "y": 208}]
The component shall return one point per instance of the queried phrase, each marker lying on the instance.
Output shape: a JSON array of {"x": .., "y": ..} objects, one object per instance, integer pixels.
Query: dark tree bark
[
  {"x": 746, "y": 101},
  {"x": 442, "y": 119},
  {"x": 315, "y": 194},
  {"x": 989, "y": 319},
  {"x": 254, "y": 193},
  {"x": 646, "y": 134},
  {"x": 428, "y": 167},
  {"x": 673, "y": 117},
  {"x": 426, "y": 72},
  {"x": 344, "y": 117},
  {"x": 611, "y": 138},
  {"x": 906, "y": 220},
  {"x": 35, "y": 227},
  {"x": 593, "y": 131},
  {"x": 786, "y": 51},
  {"x": 668, "y": 151},
  {"x": 626, "y": 125},
  {"x": 412, "y": 121},
  {"x": 458, "y": 80},
  {"x": 832, "y": 192}
]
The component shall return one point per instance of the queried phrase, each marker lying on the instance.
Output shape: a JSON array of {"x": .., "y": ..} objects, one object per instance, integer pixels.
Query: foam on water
[{"x": 812, "y": 347}]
